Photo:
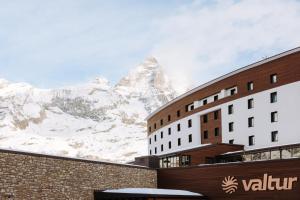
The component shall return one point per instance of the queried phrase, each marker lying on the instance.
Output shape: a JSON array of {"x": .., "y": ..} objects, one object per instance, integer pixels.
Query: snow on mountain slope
[{"x": 93, "y": 120}]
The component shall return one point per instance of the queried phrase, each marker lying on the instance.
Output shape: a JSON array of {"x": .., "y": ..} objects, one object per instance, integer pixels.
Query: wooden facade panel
[
  {"x": 208, "y": 179},
  {"x": 210, "y": 126},
  {"x": 287, "y": 69}
]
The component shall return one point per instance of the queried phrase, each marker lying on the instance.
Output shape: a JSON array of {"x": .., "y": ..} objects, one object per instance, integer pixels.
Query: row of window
[
  {"x": 286, "y": 153},
  {"x": 251, "y": 138},
  {"x": 232, "y": 91},
  {"x": 190, "y": 139},
  {"x": 216, "y": 133},
  {"x": 170, "y": 130},
  {"x": 175, "y": 161}
]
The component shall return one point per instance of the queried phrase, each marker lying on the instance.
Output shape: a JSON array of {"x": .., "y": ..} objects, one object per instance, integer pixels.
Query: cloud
[{"x": 204, "y": 40}]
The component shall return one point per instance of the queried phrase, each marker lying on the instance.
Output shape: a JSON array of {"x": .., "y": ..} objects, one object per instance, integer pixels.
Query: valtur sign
[{"x": 267, "y": 182}]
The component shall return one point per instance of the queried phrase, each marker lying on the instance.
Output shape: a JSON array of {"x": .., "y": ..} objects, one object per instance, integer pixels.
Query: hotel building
[{"x": 249, "y": 114}]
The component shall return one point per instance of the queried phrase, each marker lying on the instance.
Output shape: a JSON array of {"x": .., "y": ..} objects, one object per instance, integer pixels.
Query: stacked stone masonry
[{"x": 35, "y": 176}]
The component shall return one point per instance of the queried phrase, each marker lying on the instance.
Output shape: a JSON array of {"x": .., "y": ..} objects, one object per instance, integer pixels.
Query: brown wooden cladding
[
  {"x": 208, "y": 179},
  {"x": 287, "y": 69},
  {"x": 213, "y": 122},
  {"x": 204, "y": 154}
]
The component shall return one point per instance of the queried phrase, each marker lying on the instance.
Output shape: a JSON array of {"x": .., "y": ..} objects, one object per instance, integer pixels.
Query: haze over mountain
[{"x": 95, "y": 120}]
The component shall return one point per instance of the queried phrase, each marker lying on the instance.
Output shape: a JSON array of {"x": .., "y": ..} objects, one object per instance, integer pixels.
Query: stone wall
[{"x": 35, "y": 176}]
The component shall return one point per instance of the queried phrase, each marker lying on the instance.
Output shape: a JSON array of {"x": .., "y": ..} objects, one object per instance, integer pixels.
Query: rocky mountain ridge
[{"x": 93, "y": 120}]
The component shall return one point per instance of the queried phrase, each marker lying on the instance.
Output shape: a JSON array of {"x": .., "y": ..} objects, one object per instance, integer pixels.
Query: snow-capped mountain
[{"x": 93, "y": 120}]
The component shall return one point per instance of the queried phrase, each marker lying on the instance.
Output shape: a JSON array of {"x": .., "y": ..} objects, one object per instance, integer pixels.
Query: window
[
  {"x": 230, "y": 126},
  {"x": 178, "y": 113},
  {"x": 216, "y": 115},
  {"x": 169, "y": 118},
  {"x": 231, "y": 141},
  {"x": 273, "y": 97},
  {"x": 204, "y": 118},
  {"x": 274, "y": 116},
  {"x": 250, "y": 86},
  {"x": 161, "y": 134},
  {"x": 274, "y": 136},
  {"x": 250, "y": 103},
  {"x": 186, "y": 108},
  {"x": 179, "y": 141},
  {"x": 161, "y": 122},
  {"x": 273, "y": 78},
  {"x": 190, "y": 123},
  {"x": 251, "y": 140},
  {"x": 169, "y": 131},
  {"x": 232, "y": 91},
  {"x": 155, "y": 138},
  {"x": 190, "y": 138},
  {"x": 155, "y": 150},
  {"x": 149, "y": 140},
  {"x": 150, "y": 152},
  {"x": 205, "y": 134},
  {"x": 149, "y": 128},
  {"x": 230, "y": 109},
  {"x": 216, "y": 97},
  {"x": 162, "y": 148},
  {"x": 154, "y": 125},
  {"x": 178, "y": 127},
  {"x": 250, "y": 121},
  {"x": 217, "y": 132},
  {"x": 170, "y": 145},
  {"x": 185, "y": 160},
  {"x": 204, "y": 101}
]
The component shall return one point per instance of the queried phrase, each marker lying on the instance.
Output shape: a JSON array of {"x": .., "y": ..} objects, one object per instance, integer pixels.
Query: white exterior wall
[{"x": 287, "y": 106}]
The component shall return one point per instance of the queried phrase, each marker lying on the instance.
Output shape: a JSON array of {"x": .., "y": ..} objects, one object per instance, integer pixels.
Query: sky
[{"x": 55, "y": 43}]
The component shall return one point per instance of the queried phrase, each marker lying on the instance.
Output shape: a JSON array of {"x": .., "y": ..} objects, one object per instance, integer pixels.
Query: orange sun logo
[{"x": 229, "y": 184}]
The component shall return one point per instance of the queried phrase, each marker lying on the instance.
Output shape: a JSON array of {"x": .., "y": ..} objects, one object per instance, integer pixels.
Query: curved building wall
[{"x": 252, "y": 83}]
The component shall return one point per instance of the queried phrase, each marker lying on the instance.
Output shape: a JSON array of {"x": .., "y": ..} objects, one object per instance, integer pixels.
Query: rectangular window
[
  {"x": 192, "y": 107},
  {"x": 190, "y": 138},
  {"x": 231, "y": 141},
  {"x": 273, "y": 97},
  {"x": 161, "y": 134},
  {"x": 179, "y": 141},
  {"x": 274, "y": 136},
  {"x": 204, "y": 101},
  {"x": 216, "y": 115},
  {"x": 190, "y": 123},
  {"x": 230, "y": 126},
  {"x": 230, "y": 109},
  {"x": 169, "y": 131},
  {"x": 232, "y": 91},
  {"x": 170, "y": 145},
  {"x": 178, "y": 127},
  {"x": 251, "y": 140},
  {"x": 273, "y": 78},
  {"x": 178, "y": 113},
  {"x": 205, "y": 134},
  {"x": 250, "y": 103},
  {"x": 155, "y": 138},
  {"x": 205, "y": 118},
  {"x": 250, "y": 121},
  {"x": 250, "y": 86},
  {"x": 154, "y": 125},
  {"x": 161, "y": 122},
  {"x": 217, "y": 132},
  {"x": 169, "y": 118},
  {"x": 186, "y": 108},
  {"x": 155, "y": 150},
  {"x": 149, "y": 140},
  {"x": 216, "y": 97},
  {"x": 149, "y": 128},
  {"x": 150, "y": 152},
  {"x": 274, "y": 116},
  {"x": 185, "y": 160},
  {"x": 162, "y": 148}
]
